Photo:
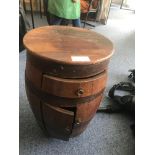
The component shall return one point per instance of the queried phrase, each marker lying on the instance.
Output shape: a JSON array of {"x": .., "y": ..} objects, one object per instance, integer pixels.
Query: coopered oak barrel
[{"x": 65, "y": 77}]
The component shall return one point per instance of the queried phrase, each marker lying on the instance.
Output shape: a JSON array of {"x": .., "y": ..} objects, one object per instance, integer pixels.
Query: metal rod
[
  {"x": 24, "y": 6},
  {"x": 90, "y": 3},
  {"x": 32, "y": 14},
  {"x": 108, "y": 11},
  {"x": 121, "y": 4},
  {"x": 40, "y": 8}
]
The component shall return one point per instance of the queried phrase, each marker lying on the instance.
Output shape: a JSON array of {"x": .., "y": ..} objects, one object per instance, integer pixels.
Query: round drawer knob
[{"x": 79, "y": 92}]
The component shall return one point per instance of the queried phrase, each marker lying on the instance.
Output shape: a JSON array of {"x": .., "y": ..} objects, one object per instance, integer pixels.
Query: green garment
[{"x": 64, "y": 8}]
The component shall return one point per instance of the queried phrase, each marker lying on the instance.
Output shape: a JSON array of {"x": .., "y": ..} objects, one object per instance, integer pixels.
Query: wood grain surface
[
  {"x": 58, "y": 121},
  {"x": 60, "y": 44},
  {"x": 65, "y": 77}
]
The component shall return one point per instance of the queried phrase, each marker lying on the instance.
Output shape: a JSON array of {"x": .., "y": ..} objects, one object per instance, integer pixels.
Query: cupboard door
[
  {"x": 58, "y": 121},
  {"x": 84, "y": 114},
  {"x": 86, "y": 111}
]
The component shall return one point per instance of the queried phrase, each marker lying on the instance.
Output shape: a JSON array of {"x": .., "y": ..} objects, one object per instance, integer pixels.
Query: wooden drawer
[{"x": 74, "y": 88}]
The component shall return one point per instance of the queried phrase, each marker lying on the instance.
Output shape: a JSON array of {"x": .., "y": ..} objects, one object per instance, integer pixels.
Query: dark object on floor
[
  {"x": 109, "y": 109},
  {"x": 132, "y": 75},
  {"x": 124, "y": 103},
  {"x": 121, "y": 103},
  {"x": 23, "y": 27},
  {"x": 65, "y": 92}
]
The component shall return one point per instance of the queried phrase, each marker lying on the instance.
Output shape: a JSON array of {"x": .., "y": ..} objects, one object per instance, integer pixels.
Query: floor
[{"x": 107, "y": 134}]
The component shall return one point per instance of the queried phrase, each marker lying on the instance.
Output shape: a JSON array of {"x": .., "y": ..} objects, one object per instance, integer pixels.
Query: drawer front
[{"x": 74, "y": 88}]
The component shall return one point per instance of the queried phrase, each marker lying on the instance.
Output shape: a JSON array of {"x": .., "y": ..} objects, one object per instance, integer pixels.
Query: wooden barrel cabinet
[{"x": 65, "y": 77}]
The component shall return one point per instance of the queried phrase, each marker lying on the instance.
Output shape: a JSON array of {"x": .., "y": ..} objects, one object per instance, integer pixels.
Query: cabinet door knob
[{"x": 67, "y": 129}]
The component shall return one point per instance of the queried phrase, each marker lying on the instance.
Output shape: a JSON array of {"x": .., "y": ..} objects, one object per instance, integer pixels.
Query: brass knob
[
  {"x": 67, "y": 129},
  {"x": 78, "y": 121},
  {"x": 79, "y": 92}
]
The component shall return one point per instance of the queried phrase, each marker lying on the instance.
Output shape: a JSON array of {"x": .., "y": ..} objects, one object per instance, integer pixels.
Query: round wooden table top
[{"x": 68, "y": 45}]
